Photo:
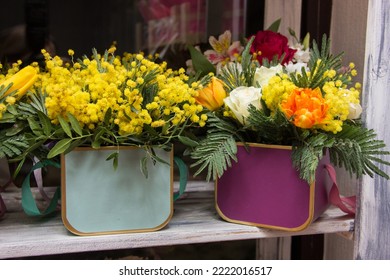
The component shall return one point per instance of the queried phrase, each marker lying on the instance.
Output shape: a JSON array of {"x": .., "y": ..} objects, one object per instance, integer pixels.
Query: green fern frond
[
  {"x": 216, "y": 123},
  {"x": 239, "y": 74},
  {"x": 25, "y": 110},
  {"x": 247, "y": 64},
  {"x": 12, "y": 146},
  {"x": 233, "y": 77},
  {"x": 307, "y": 154},
  {"x": 217, "y": 150},
  {"x": 215, "y": 153},
  {"x": 354, "y": 148},
  {"x": 321, "y": 60},
  {"x": 37, "y": 100},
  {"x": 358, "y": 151},
  {"x": 275, "y": 129}
]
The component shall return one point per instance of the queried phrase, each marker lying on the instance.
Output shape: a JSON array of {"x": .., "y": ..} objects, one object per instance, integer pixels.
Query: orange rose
[
  {"x": 212, "y": 96},
  {"x": 306, "y": 107}
]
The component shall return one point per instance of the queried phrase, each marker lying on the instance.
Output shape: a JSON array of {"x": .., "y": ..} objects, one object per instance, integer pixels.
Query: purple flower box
[{"x": 264, "y": 189}]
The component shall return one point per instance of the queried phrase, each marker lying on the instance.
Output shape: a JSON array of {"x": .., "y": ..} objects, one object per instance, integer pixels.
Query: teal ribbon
[
  {"x": 183, "y": 177},
  {"x": 29, "y": 204}
]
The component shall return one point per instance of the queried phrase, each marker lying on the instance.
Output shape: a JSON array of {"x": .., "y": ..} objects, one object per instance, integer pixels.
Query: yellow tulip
[
  {"x": 213, "y": 95},
  {"x": 21, "y": 81}
]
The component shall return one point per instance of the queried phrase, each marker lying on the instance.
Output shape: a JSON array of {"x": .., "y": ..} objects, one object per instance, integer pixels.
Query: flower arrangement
[
  {"x": 271, "y": 92},
  {"x": 104, "y": 100}
]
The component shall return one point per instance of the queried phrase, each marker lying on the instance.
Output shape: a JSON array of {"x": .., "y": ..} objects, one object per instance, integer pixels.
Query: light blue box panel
[{"x": 98, "y": 199}]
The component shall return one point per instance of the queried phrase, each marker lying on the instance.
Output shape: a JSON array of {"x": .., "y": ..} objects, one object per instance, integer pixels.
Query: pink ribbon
[
  {"x": 346, "y": 204},
  {"x": 39, "y": 181},
  {"x": 3, "y": 208}
]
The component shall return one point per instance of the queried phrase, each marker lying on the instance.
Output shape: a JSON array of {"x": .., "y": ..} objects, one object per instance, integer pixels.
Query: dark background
[{"x": 83, "y": 25}]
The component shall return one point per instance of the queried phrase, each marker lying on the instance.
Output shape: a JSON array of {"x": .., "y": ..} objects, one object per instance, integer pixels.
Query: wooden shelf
[{"x": 194, "y": 221}]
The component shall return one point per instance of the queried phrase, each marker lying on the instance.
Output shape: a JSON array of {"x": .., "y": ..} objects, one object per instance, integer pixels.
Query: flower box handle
[
  {"x": 183, "y": 177},
  {"x": 28, "y": 202},
  {"x": 346, "y": 204}
]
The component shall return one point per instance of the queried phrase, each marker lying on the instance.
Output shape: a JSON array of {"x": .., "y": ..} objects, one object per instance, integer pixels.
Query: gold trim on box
[
  {"x": 311, "y": 201},
  {"x": 258, "y": 145},
  {"x": 63, "y": 197}
]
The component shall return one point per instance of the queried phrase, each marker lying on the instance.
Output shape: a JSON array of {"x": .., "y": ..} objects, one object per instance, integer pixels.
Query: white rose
[
  {"x": 355, "y": 110},
  {"x": 239, "y": 99},
  {"x": 302, "y": 54},
  {"x": 296, "y": 67},
  {"x": 263, "y": 74}
]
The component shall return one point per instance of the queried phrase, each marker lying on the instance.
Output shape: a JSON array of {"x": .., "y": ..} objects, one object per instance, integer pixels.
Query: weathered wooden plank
[
  {"x": 373, "y": 220},
  {"x": 288, "y": 11},
  {"x": 273, "y": 248},
  {"x": 347, "y": 38},
  {"x": 194, "y": 221}
]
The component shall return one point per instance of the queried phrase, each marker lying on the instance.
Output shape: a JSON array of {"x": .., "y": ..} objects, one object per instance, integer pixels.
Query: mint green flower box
[{"x": 99, "y": 199}]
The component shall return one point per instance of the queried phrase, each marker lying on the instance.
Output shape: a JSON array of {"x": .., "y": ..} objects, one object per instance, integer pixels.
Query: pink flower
[{"x": 223, "y": 50}]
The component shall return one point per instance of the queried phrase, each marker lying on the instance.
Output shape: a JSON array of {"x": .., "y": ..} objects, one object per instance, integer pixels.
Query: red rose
[{"x": 268, "y": 44}]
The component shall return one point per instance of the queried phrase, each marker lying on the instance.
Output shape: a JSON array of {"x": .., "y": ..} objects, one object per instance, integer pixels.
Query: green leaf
[
  {"x": 115, "y": 159},
  {"x": 12, "y": 110},
  {"x": 292, "y": 32},
  {"x": 246, "y": 56},
  {"x": 74, "y": 144},
  {"x": 31, "y": 149},
  {"x": 112, "y": 156},
  {"x": 144, "y": 166},
  {"x": 200, "y": 62},
  {"x": 15, "y": 129},
  {"x": 65, "y": 126},
  {"x": 157, "y": 158},
  {"x": 275, "y": 25},
  {"x": 107, "y": 116},
  {"x": 115, "y": 162},
  {"x": 45, "y": 123},
  {"x": 34, "y": 126},
  {"x": 7, "y": 118},
  {"x": 108, "y": 141},
  {"x": 306, "y": 41},
  {"x": 18, "y": 168},
  {"x": 59, "y": 148},
  {"x": 96, "y": 144},
  {"x": 187, "y": 141},
  {"x": 38, "y": 101},
  {"x": 165, "y": 128},
  {"x": 75, "y": 124}
]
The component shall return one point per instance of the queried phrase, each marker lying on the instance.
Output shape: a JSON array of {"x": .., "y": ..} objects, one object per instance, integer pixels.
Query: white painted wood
[
  {"x": 373, "y": 220},
  {"x": 350, "y": 39},
  {"x": 288, "y": 11},
  {"x": 194, "y": 221}
]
